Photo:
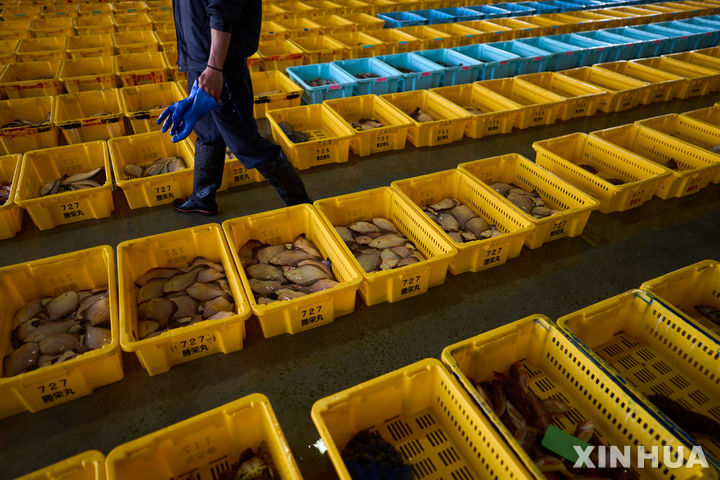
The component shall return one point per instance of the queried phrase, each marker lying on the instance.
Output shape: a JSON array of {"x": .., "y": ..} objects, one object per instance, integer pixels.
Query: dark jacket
[{"x": 195, "y": 18}]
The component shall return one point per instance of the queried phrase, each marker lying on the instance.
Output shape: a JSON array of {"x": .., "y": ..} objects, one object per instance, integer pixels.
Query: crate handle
[
  {"x": 465, "y": 68},
  {"x": 425, "y": 74},
  {"x": 504, "y": 62},
  {"x": 334, "y": 87},
  {"x": 380, "y": 79}
]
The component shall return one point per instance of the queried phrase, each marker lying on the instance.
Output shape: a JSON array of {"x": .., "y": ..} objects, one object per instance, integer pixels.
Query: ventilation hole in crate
[
  {"x": 645, "y": 354},
  {"x": 462, "y": 474},
  {"x": 219, "y": 469},
  {"x": 399, "y": 430},
  {"x": 629, "y": 342},
  {"x": 662, "y": 389},
  {"x": 644, "y": 375},
  {"x": 423, "y": 468},
  {"x": 613, "y": 350},
  {"x": 684, "y": 403},
  {"x": 575, "y": 416},
  {"x": 627, "y": 363},
  {"x": 544, "y": 385},
  {"x": 679, "y": 382},
  {"x": 715, "y": 412},
  {"x": 662, "y": 367},
  {"x": 425, "y": 421},
  {"x": 448, "y": 456},
  {"x": 411, "y": 449},
  {"x": 436, "y": 438}
]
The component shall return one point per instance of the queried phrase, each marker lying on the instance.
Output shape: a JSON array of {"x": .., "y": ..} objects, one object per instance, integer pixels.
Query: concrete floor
[{"x": 617, "y": 252}]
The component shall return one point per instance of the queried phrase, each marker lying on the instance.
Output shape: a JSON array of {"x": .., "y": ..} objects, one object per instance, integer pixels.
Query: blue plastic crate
[
  {"x": 302, "y": 75},
  {"x": 565, "y": 6},
  {"x": 515, "y": 9},
  {"x": 651, "y": 44},
  {"x": 623, "y": 48},
  {"x": 423, "y": 73},
  {"x": 563, "y": 55},
  {"x": 434, "y": 16},
  {"x": 593, "y": 51},
  {"x": 459, "y": 68},
  {"x": 680, "y": 39},
  {"x": 387, "y": 80},
  {"x": 489, "y": 12},
  {"x": 496, "y": 63},
  {"x": 588, "y": 4},
  {"x": 532, "y": 59},
  {"x": 705, "y": 35},
  {"x": 401, "y": 19},
  {"x": 462, "y": 14},
  {"x": 540, "y": 7}
]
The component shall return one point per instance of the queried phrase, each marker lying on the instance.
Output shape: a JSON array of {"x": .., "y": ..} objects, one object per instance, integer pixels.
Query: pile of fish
[
  {"x": 529, "y": 202},
  {"x": 18, "y": 122},
  {"x": 158, "y": 167},
  {"x": 404, "y": 70},
  {"x": 286, "y": 271},
  {"x": 379, "y": 245},
  {"x": 4, "y": 192},
  {"x": 528, "y": 418},
  {"x": 321, "y": 82},
  {"x": 693, "y": 422},
  {"x": 671, "y": 164},
  {"x": 368, "y": 456},
  {"x": 294, "y": 135},
  {"x": 366, "y": 124},
  {"x": 458, "y": 221},
  {"x": 366, "y": 75},
  {"x": 79, "y": 181},
  {"x": 603, "y": 175},
  {"x": 169, "y": 298},
  {"x": 50, "y": 330},
  {"x": 420, "y": 116},
  {"x": 257, "y": 465}
]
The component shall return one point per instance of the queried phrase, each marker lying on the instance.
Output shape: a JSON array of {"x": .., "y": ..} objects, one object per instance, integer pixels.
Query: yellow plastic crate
[
  {"x": 521, "y": 29},
  {"x": 274, "y": 12},
  {"x": 143, "y": 104},
  {"x": 498, "y": 113},
  {"x": 300, "y": 27},
  {"x": 391, "y": 136},
  {"x": 664, "y": 14},
  {"x": 90, "y": 115},
  {"x": 88, "y": 465},
  {"x": 366, "y": 23},
  {"x": 439, "y": 430},
  {"x": 165, "y": 14},
  {"x": 663, "y": 86},
  {"x": 480, "y": 254},
  {"x": 94, "y": 9},
  {"x": 462, "y": 34},
  {"x": 57, "y": 26},
  {"x": 272, "y": 30},
  {"x": 332, "y": 24},
  {"x": 584, "y": 21},
  {"x": 450, "y": 119},
  {"x": 623, "y": 93},
  {"x": 710, "y": 52},
  {"x": 324, "y": 7},
  {"x": 492, "y": 32},
  {"x": 320, "y": 49},
  {"x": 129, "y": 7},
  {"x": 146, "y": 148},
  {"x": 696, "y": 58},
  {"x": 273, "y": 90},
  {"x": 431, "y": 37},
  {"x": 561, "y": 156},
  {"x": 137, "y": 42},
  {"x": 10, "y": 214},
  {"x": 27, "y": 137},
  {"x": 279, "y": 54},
  {"x": 132, "y": 22},
  {"x": 688, "y": 130},
  {"x": 328, "y": 137},
  {"x": 164, "y": 26},
  {"x": 84, "y": 46},
  {"x": 559, "y": 369},
  {"x": 309, "y": 311},
  {"x": 42, "y": 166},
  {"x": 254, "y": 62},
  {"x": 180, "y": 345},
  {"x": 400, "y": 283},
  {"x": 398, "y": 42},
  {"x": 298, "y": 9},
  {"x": 97, "y": 24},
  {"x": 574, "y": 205},
  {"x": 166, "y": 39},
  {"x": 700, "y": 80},
  {"x": 547, "y": 25},
  {"x": 361, "y": 44},
  {"x": 581, "y": 99},
  {"x": 14, "y": 34},
  {"x": 41, "y": 49},
  {"x": 7, "y": 49},
  {"x": 382, "y": 6},
  {"x": 709, "y": 115},
  {"x": 83, "y": 74},
  {"x": 643, "y": 343},
  {"x": 682, "y": 289},
  {"x": 206, "y": 444},
  {"x": 141, "y": 68},
  {"x": 60, "y": 11},
  {"x": 56, "y": 384},
  {"x": 697, "y": 166},
  {"x": 235, "y": 173},
  {"x": 353, "y": 6},
  {"x": 535, "y": 106}
]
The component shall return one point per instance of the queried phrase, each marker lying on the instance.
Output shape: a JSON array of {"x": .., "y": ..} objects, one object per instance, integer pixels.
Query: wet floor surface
[{"x": 616, "y": 252}]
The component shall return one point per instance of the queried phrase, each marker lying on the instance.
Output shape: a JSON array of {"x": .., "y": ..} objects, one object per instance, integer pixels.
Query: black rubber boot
[
  {"x": 207, "y": 177},
  {"x": 282, "y": 175}
]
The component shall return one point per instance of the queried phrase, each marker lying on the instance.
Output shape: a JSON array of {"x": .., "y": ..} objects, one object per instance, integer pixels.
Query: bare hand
[{"x": 211, "y": 81}]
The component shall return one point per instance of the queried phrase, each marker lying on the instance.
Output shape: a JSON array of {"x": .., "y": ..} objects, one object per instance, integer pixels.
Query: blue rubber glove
[
  {"x": 175, "y": 112},
  {"x": 202, "y": 104}
]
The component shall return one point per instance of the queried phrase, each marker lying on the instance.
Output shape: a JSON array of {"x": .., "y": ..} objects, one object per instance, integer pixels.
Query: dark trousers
[{"x": 233, "y": 126}]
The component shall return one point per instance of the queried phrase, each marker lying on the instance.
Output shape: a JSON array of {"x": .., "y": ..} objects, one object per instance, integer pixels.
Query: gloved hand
[{"x": 185, "y": 115}]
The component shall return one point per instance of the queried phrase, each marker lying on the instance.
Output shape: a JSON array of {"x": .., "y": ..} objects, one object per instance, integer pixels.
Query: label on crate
[
  {"x": 240, "y": 176},
  {"x": 194, "y": 346},
  {"x": 495, "y": 256},
  {"x": 54, "y": 391},
  {"x": 314, "y": 314},
  {"x": 74, "y": 211},
  {"x": 163, "y": 193},
  {"x": 558, "y": 229},
  {"x": 412, "y": 285}
]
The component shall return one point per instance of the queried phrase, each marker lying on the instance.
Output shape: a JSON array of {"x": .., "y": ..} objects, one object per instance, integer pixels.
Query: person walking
[{"x": 214, "y": 40}]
